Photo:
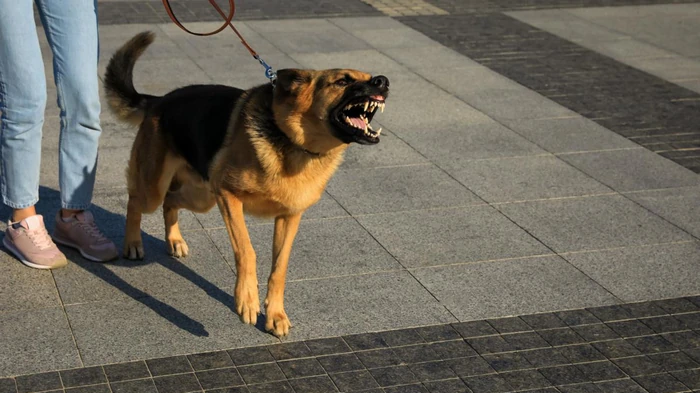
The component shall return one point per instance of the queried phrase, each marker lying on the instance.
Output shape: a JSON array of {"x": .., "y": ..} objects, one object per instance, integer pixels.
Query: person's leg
[
  {"x": 22, "y": 103},
  {"x": 71, "y": 29}
]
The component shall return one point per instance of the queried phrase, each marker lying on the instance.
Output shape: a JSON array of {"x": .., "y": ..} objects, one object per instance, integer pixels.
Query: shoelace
[
  {"x": 40, "y": 237},
  {"x": 92, "y": 230}
]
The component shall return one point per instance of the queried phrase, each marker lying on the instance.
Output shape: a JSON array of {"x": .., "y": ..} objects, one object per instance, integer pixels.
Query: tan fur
[{"x": 249, "y": 174}]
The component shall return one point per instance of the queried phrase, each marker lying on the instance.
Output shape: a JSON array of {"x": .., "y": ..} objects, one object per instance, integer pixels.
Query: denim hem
[
  {"x": 15, "y": 205},
  {"x": 68, "y": 206}
]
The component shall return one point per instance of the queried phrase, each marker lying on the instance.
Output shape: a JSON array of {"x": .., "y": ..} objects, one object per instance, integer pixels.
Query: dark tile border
[
  {"x": 657, "y": 114},
  {"x": 638, "y": 347}
]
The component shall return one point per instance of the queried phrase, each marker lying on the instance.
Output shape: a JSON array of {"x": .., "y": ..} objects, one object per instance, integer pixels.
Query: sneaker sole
[
  {"x": 83, "y": 253},
  {"x": 24, "y": 260}
]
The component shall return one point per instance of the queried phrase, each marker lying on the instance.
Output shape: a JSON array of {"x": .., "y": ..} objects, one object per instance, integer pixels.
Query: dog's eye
[{"x": 342, "y": 82}]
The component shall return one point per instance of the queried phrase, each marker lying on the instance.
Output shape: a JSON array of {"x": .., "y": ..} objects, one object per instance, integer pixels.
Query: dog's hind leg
[
  {"x": 285, "y": 230},
  {"x": 150, "y": 172},
  {"x": 187, "y": 191}
]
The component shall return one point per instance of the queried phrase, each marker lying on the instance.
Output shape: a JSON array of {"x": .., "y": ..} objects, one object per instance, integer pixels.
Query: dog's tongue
[{"x": 357, "y": 122}]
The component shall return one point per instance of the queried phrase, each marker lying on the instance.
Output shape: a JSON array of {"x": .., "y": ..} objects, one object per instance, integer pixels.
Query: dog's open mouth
[{"x": 355, "y": 115}]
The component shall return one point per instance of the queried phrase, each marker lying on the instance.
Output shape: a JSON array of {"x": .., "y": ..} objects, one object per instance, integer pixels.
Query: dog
[{"x": 267, "y": 151}]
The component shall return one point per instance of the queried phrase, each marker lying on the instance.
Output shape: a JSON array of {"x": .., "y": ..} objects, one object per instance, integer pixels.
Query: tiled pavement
[
  {"x": 488, "y": 198},
  {"x": 636, "y": 347}
]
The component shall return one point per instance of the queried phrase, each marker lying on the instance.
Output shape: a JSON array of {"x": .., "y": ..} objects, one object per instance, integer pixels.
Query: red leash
[{"x": 269, "y": 72}]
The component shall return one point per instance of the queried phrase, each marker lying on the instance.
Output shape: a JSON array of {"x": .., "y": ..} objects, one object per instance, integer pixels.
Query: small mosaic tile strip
[
  {"x": 655, "y": 113},
  {"x": 651, "y": 347}
]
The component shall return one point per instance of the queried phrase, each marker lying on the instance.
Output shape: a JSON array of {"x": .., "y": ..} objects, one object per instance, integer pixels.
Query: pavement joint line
[
  {"x": 601, "y": 150},
  {"x": 613, "y": 192},
  {"x": 626, "y": 247}
]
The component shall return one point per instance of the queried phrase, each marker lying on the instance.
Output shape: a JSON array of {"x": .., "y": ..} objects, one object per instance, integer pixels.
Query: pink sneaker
[
  {"x": 81, "y": 232},
  {"x": 29, "y": 241}
]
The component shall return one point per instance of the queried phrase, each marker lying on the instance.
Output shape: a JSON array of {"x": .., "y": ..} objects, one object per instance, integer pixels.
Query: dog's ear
[{"x": 291, "y": 80}]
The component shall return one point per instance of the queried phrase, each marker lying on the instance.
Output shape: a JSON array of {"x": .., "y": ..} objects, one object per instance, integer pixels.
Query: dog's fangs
[{"x": 264, "y": 151}]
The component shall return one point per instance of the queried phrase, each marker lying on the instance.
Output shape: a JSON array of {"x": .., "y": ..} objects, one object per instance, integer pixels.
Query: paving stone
[
  {"x": 325, "y": 39},
  {"x": 354, "y": 381},
  {"x": 301, "y": 368},
  {"x": 454, "y": 145},
  {"x": 135, "y": 386},
  {"x": 391, "y": 376},
  {"x": 391, "y": 151},
  {"x": 649, "y": 272},
  {"x": 196, "y": 322},
  {"x": 379, "y": 358},
  {"x": 324, "y": 248},
  {"x": 551, "y": 284},
  {"x": 488, "y": 384},
  {"x": 595, "y": 332},
  {"x": 322, "y": 384},
  {"x": 261, "y": 373},
  {"x": 180, "y": 383},
  {"x": 126, "y": 371},
  {"x": 327, "y": 346},
  {"x": 26, "y": 337},
  {"x": 591, "y": 223},
  {"x": 523, "y": 341},
  {"x": 571, "y": 134},
  {"x": 582, "y": 353},
  {"x": 370, "y": 61},
  {"x": 365, "y": 341},
  {"x": 220, "y": 378},
  {"x": 356, "y": 304},
  {"x": 673, "y": 205},
  {"x": 83, "y": 376},
  {"x": 383, "y": 190},
  {"x": 14, "y": 281},
  {"x": 253, "y": 355},
  {"x": 399, "y": 338},
  {"x": 660, "y": 383},
  {"x": 38, "y": 382},
  {"x": 445, "y": 109},
  {"x": 169, "y": 366},
  {"x": 158, "y": 274},
  {"x": 450, "y": 236},
  {"x": 524, "y": 178},
  {"x": 424, "y": 60},
  {"x": 210, "y": 360},
  {"x": 632, "y": 170}
]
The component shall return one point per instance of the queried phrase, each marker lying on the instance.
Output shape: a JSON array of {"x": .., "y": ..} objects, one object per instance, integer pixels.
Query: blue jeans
[{"x": 71, "y": 30}]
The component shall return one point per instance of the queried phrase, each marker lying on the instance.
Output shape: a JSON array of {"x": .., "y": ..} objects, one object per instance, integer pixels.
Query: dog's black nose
[{"x": 380, "y": 81}]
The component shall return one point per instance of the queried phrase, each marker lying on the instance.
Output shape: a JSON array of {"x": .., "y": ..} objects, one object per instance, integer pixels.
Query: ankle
[
  {"x": 20, "y": 214},
  {"x": 68, "y": 213}
]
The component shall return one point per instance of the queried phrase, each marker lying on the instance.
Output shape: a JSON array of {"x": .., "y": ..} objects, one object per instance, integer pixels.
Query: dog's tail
[{"x": 126, "y": 103}]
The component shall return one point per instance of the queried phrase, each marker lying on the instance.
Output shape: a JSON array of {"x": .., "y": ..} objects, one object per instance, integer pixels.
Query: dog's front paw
[
  {"x": 277, "y": 321},
  {"x": 133, "y": 249},
  {"x": 177, "y": 247},
  {"x": 247, "y": 300}
]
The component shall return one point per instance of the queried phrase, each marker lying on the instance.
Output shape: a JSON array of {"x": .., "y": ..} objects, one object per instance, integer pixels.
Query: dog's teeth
[
  {"x": 379, "y": 131},
  {"x": 366, "y": 105},
  {"x": 381, "y": 107}
]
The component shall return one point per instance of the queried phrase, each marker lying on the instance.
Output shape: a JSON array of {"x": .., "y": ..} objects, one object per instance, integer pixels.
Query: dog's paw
[
  {"x": 247, "y": 300},
  {"x": 133, "y": 249},
  {"x": 277, "y": 322},
  {"x": 177, "y": 247}
]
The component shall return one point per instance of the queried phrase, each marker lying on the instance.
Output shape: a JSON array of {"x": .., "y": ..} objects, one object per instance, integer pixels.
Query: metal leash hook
[{"x": 269, "y": 71}]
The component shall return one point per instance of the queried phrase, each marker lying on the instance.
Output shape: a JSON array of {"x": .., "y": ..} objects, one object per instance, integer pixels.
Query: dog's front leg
[
  {"x": 285, "y": 230},
  {"x": 246, "y": 292}
]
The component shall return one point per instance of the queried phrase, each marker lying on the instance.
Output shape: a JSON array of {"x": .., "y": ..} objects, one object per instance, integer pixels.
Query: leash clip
[{"x": 269, "y": 71}]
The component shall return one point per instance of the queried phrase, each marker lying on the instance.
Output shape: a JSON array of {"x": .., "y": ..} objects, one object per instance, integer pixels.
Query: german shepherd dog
[{"x": 267, "y": 151}]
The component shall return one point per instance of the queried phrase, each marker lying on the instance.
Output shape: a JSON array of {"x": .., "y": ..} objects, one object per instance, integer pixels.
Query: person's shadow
[{"x": 48, "y": 205}]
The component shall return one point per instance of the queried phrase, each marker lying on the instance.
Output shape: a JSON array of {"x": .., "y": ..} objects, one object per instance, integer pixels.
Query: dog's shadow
[{"x": 48, "y": 205}]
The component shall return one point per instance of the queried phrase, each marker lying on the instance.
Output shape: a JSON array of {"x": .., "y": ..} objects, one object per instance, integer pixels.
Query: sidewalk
[{"x": 509, "y": 183}]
